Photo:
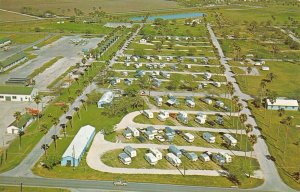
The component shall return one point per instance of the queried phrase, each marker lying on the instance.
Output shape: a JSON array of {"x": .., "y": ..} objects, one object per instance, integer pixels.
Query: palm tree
[
  {"x": 230, "y": 90},
  {"x": 243, "y": 118},
  {"x": 249, "y": 128},
  {"x": 44, "y": 128},
  {"x": 272, "y": 96},
  {"x": 77, "y": 109},
  {"x": 271, "y": 76},
  {"x": 37, "y": 99},
  {"x": 20, "y": 133},
  {"x": 45, "y": 147},
  {"x": 55, "y": 137},
  {"x": 262, "y": 89},
  {"x": 253, "y": 141},
  {"x": 70, "y": 118},
  {"x": 63, "y": 126},
  {"x": 235, "y": 100},
  {"x": 83, "y": 103},
  {"x": 17, "y": 116},
  {"x": 281, "y": 112},
  {"x": 288, "y": 123}
]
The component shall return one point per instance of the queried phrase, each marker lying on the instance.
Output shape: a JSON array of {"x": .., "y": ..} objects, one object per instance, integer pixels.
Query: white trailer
[
  {"x": 131, "y": 152},
  {"x": 229, "y": 139},
  {"x": 200, "y": 120},
  {"x": 156, "y": 153},
  {"x": 151, "y": 159},
  {"x": 134, "y": 131},
  {"x": 173, "y": 159},
  {"x": 189, "y": 137},
  {"x": 209, "y": 137},
  {"x": 124, "y": 158},
  {"x": 148, "y": 114}
]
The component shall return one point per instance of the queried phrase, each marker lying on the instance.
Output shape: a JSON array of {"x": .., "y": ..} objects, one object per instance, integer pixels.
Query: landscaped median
[{"x": 44, "y": 67}]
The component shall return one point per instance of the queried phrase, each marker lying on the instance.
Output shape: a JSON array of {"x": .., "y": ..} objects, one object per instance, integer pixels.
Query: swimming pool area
[{"x": 170, "y": 16}]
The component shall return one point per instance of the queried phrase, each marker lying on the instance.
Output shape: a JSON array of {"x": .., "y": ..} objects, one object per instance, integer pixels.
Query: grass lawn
[
  {"x": 287, "y": 161},
  {"x": 286, "y": 82},
  {"x": 15, "y": 90},
  {"x": 7, "y": 16},
  {"x": 22, "y": 38},
  {"x": 30, "y": 189}
]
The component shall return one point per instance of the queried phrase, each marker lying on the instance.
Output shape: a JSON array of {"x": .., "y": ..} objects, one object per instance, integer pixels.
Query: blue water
[{"x": 171, "y": 16}]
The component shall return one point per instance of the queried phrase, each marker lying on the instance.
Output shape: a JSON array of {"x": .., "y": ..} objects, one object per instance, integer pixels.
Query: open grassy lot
[
  {"x": 7, "y": 16},
  {"x": 111, "y": 159},
  {"x": 66, "y": 7},
  {"x": 178, "y": 29},
  {"x": 22, "y": 38},
  {"x": 30, "y": 189},
  {"x": 285, "y": 82},
  {"x": 53, "y": 26},
  {"x": 282, "y": 140}
]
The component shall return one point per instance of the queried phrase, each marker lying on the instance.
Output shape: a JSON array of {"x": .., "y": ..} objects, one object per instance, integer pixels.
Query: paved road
[
  {"x": 272, "y": 178},
  {"x": 157, "y": 63},
  {"x": 92, "y": 185}
]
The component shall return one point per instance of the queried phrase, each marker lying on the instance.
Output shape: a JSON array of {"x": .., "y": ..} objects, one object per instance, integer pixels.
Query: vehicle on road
[{"x": 120, "y": 183}]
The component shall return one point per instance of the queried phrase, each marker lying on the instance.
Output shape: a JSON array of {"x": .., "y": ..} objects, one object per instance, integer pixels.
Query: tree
[
  {"x": 243, "y": 118},
  {"x": 54, "y": 138},
  {"x": 272, "y": 96},
  {"x": 45, "y": 147},
  {"x": 288, "y": 123},
  {"x": 253, "y": 141},
  {"x": 281, "y": 112},
  {"x": 249, "y": 128},
  {"x": 44, "y": 128},
  {"x": 20, "y": 133},
  {"x": 17, "y": 116},
  {"x": 271, "y": 76},
  {"x": 83, "y": 103},
  {"x": 37, "y": 99},
  {"x": 230, "y": 90},
  {"x": 77, "y": 109}
]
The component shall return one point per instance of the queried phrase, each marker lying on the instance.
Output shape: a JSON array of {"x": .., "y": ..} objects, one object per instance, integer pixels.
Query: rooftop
[
  {"x": 79, "y": 142},
  {"x": 283, "y": 102},
  {"x": 14, "y": 90}
]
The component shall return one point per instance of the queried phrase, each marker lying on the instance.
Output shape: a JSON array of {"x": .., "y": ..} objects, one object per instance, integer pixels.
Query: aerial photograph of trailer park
[{"x": 139, "y": 95}]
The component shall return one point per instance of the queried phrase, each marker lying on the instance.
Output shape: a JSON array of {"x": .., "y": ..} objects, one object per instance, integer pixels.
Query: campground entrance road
[{"x": 272, "y": 182}]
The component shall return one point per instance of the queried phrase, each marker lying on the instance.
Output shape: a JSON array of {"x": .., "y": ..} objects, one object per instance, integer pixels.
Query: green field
[
  {"x": 285, "y": 84},
  {"x": 30, "y": 189},
  {"x": 7, "y": 16},
  {"x": 282, "y": 140},
  {"x": 67, "y": 7},
  {"x": 22, "y": 38}
]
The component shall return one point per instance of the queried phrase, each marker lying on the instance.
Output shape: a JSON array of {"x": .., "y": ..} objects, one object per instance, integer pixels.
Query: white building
[
  {"x": 283, "y": 103},
  {"x": 204, "y": 157},
  {"x": 173, "y": 159},
  {"x": 229, "y": 139},
  {"x": 156, "y": 153},
  {"x": 149, "y": 135},
  {"x": 134, "y": 131},
  {"x": 209, "y": 137},
  {"x": 227, "y": 157},
  {"x": 124, "y": 158},
  {"x": 190, "y": 103},
  {"x": 163, "y": 115},
  {"x": 12, "y": 130},
  {"x": 208, "y": 101},
  {"x": 189, "y": 137},
  {"x": 151, "y": 159},
  {"x": 148, "y": 114},
  {"x": 13, "y": 93},
  {"x": 217, "y": 84},
  {"x": 106, "y": 98},
  {"x": 131, "y": 152},
  {"x": 200, "y": 120},
  {"x": 4, "y": 42},
  {"x": 143, "y": 41}
]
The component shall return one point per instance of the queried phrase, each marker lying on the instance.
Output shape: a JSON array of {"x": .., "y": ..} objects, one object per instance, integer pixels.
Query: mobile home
[
  {"x": 190, "y": 103},
  {"x": 127, "y": 134},
  {"x": 149, "y": 135},
  {"x": 163, "y": 115},
  {"x": 219, "y": 159},
  {"x": 192, "y": 156},
  {"x": 175, "y": 151},
  {"x": 173, "y": 159},
  {"x": 124, "y": 158},
  {"x": 189, "y": 137},
  {"x": 229, "y": 139},
  {"x": 158, "y": 100},
  {"x": 148, "y": 114},
  {"x": 156, "y": 153},
  {"x": 134, "y": 131},
  {"x": 131, "y": 152},
  {"x": 227, "y": 157},
  {"x": 200, "y": 120},
  {"x": 219, "y": 104},
  {"x": 204, "y": 157},
  {"x": 209, "y": 137},
  {"x": 151, "y": 159}
]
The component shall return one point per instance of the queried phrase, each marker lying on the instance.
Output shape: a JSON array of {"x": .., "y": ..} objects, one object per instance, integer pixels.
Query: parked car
[
  {"x": 179, "y": 132},
  {"x": 211, "y": 123},
  {"x": 160, "y": 138}
]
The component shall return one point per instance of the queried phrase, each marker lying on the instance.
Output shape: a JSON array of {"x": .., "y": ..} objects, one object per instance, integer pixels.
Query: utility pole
[{"x": 21, "y": 187}]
